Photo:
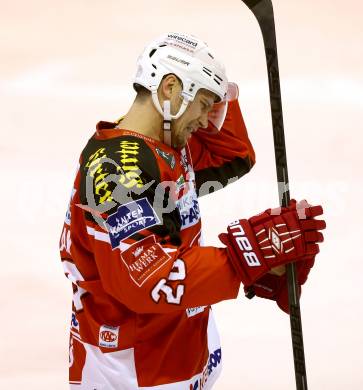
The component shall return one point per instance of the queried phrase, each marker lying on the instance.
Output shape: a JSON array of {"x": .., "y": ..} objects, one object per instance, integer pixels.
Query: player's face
[{"x": 194, "y": 117}]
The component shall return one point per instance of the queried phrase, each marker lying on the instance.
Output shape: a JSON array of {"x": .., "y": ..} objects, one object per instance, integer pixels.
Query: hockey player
[{"x": 131, "y": 242}]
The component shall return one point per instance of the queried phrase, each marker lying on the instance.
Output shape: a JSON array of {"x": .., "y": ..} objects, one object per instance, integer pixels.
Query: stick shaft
[
  {"x": 263, "y": 11},
  {"x": 284, "y": 196}
]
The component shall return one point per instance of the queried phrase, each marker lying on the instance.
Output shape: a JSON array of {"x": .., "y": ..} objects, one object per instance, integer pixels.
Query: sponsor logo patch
[
  {"x": 188, "y": 207},
  {"x": 129, "y": 152},
  {"x": 193, "y": 311},
  {"x": 181, "y": 39},
  {"x": 180, "y": 60},
  {"x": 108, "y": 336},
  {"x": 168, "y": 157},
  {"x": 144, "y": 258},
  {"x": 129, "y": 219},
  {"x": 180, "y": 183},
  {"x": 214, "y": 361}
]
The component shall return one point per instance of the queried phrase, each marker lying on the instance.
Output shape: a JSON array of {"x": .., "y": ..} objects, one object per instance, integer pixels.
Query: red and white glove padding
[
  {"x": 271, "y": 239},
  {"x": 274, "y": 287}
]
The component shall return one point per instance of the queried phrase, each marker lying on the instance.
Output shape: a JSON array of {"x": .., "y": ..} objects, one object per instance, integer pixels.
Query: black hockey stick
[{"x": 263, "y": 11}]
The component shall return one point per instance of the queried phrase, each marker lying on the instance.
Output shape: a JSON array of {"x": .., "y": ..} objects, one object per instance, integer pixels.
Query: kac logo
[{"x": 108, "y": 336}]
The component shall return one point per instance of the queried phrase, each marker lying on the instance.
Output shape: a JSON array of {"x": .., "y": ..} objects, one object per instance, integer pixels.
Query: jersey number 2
[{"x": 172, "y": 296}]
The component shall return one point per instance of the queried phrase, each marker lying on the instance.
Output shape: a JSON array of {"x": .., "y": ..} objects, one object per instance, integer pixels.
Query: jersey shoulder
[
  {"x": 116, "y": 164},
  {"x": 118, "y": 167}
]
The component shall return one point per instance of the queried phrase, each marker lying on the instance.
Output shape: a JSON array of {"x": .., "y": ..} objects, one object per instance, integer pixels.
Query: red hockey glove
[
  {"x": 268, "y": 240},
  {"x": 274, "y": 287}
]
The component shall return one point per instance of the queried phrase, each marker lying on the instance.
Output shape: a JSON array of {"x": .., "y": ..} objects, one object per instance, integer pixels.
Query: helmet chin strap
[
  {"x": 166, "y": 114},
  {"x": 167, "y": 123}
]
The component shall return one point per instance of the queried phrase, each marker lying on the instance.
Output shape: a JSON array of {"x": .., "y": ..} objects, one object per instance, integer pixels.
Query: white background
[{"x": 66, "y": 65}]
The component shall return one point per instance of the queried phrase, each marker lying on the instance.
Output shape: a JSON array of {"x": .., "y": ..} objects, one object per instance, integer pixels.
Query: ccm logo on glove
[{"x": 244, "y": 244}]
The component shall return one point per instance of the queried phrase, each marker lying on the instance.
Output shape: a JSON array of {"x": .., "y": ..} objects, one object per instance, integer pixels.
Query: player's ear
[{"x": 169, "y": 86}]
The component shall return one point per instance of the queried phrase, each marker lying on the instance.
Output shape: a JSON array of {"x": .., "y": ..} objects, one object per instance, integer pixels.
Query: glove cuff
[{"x": 245, "y": 255}]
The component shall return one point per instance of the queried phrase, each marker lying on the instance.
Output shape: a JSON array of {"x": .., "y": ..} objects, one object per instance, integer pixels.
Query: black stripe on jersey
[{"x": 222, "y": 175}]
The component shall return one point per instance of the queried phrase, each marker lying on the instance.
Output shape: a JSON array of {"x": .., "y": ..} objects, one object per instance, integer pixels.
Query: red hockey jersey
[{"x": 131, "y": 246}]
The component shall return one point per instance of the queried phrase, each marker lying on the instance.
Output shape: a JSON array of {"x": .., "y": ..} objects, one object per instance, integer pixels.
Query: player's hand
[
  {"x": 274, "y": 287},
  {"x": 273, "y": 238}
]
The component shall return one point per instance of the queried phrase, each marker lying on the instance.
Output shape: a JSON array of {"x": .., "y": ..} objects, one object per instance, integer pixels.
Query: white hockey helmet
[{"x": 190, "y": 60}]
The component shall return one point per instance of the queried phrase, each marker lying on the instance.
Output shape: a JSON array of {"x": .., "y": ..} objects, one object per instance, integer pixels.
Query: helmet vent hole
[
  {"x": 154, "y": 66},
  {"x": 217, "y": 77},
  {"x": 163, "y": 45},
  {"x": 152, "y": 52},
  {"x": 210, "y": 55},
  {"x": 217, "y": 81}
]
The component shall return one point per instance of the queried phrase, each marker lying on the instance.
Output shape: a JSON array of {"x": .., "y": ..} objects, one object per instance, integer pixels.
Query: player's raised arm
[{"x": 222, "y": 152}]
